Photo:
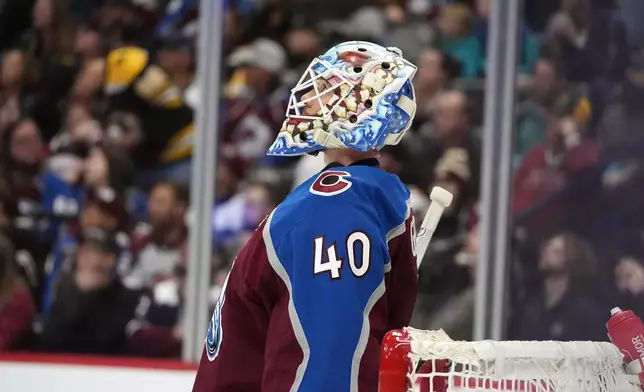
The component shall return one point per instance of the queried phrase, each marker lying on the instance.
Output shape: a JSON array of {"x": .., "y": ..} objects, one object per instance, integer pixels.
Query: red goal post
[{"x": 429, "y": 361}]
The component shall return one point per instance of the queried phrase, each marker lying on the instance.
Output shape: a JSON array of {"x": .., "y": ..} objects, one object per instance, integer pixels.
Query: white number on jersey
[{"x": 333, "y": 264}]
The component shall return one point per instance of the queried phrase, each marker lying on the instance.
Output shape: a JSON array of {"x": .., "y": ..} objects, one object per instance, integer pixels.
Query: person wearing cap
[
  {"x": 91, "y": 308},
  {"x": 256, "y": 66},
  {"x": 256, "y": 101},
  {"x": 152, "y": 120}
]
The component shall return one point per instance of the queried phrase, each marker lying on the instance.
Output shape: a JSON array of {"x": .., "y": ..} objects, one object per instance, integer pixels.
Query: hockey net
[{"x": 429, "y": 361}]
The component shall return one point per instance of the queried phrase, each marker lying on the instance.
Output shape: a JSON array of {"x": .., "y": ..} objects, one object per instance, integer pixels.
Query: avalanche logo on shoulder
[
  {"x": 331, "y": 183},
  {"x": 215, "y": 331}
]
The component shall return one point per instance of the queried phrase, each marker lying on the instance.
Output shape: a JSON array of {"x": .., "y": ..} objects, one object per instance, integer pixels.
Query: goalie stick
[{"x": 440, "y": 199}]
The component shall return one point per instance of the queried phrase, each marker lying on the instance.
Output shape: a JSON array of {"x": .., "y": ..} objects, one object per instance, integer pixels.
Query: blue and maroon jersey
[{"x": 311, "y": 295}]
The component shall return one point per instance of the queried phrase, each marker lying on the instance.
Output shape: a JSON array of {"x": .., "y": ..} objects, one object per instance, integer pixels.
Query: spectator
[
  {"x": 17, "y": 309},
  {"x": 157, "y": 246},
  {"x": 53, "y": 75},
  {"x": 620, "y": 123},
  {"x": 456, "y": 316},
  {"x": 228, "y": 176},
  {"x": 259, "y": 201},
  {"x": 591, "y": 40},
  {"x": 302, "y": 45},
  {"x": 71, "y": 147},
  {"x": 529, "y": 44},
  {"x": 256, "y": 102},
  {"x": 440, "y": 278},
  {"x": 436, "y": 71},
  {"x": 271, "y": 20},
  {"x": 451, "y": 128},
  {"x": 258, "y": 66},
  {"x": 630, "y": 11},
  {"x": 87, "y": 84},
  {"x": 175, "y": 18},
  {"x": 390, "y": 23},
  {"x": 562, "y": 308},
  {"x": 629, "y": 279},
  {"x": 410, "y": 31},
  {"x": 15, "y": 20},
  {"x": 83, "y": 10},
  {"x": 105, "y": 208},
  {"x": 550, "y": 90},
  {"x": 51, "y": 39},
  {"x": 457, "y": 39},
  {"x": 76, "y": 115},
  {"x": 21, "y": 150},
  {"x": 548, "y": 166},
  {"x": 87, "y": 43},
  {"x": 23, "y": 146},
  {"x": 237, "y": 218},
  {"x": 452, "y": 172},
  {"x": 102, "y": 208},
  {"x": 122, "y": 23},
  {"x": 91, "y": 307},
  {"x": 150, "y": 117},
  {"x": 68, "y": 163},
  {"x": 538, "y": 12},
  {"x": 177, "y": 58},
  {"x": 38, "y": 202},
  {"x": 157, "y": 329},
  {"x": 108, "y": 166},
  {"x": 391, "y": 158},
  {"x": 13, "y": 94}
]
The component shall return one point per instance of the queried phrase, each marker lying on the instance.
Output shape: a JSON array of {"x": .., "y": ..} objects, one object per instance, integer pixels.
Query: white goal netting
[{"x": 440, "y": 364}]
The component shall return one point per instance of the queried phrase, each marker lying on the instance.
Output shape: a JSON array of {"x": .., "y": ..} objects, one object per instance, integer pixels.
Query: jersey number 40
[{"x": 332, "y": 265}]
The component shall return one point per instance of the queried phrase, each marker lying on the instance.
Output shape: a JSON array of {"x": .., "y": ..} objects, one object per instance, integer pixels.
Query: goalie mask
[{"x": 357, "y": 95}]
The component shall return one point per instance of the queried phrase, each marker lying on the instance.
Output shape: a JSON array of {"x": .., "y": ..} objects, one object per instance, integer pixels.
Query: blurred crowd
[{"x": 97, "y": 106}]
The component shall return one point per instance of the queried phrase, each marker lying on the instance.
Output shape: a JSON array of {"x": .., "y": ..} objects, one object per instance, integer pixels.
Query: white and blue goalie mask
[{"x": 357, "y": 95}]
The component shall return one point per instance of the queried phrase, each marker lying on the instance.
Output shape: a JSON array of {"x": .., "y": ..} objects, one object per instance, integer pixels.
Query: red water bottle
[{"x": 626, "y": 331}]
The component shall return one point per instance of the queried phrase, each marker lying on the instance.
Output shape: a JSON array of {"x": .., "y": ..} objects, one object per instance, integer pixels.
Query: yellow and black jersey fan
[{"x": 134, "y": 84}]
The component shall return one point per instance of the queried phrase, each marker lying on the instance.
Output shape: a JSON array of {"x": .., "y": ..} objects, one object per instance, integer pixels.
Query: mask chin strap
[
  {"x": 324, "y": 138},
  {"x": 408, "y": 106}
]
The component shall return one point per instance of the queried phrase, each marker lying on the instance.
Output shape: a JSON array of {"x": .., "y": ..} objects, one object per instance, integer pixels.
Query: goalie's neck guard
[{"x": 357, "y": 95}]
